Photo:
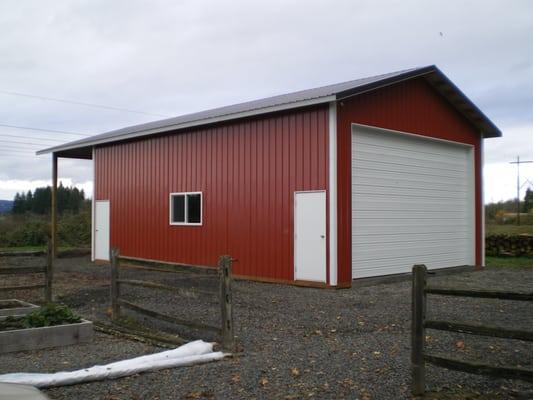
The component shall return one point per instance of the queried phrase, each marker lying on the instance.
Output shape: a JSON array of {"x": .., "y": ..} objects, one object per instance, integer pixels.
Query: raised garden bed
[
  {"x": 16, "y": 307},
  {"x": 50, "y": 326}
]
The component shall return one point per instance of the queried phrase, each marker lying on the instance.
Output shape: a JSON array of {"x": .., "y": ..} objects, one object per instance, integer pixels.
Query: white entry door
[
  {"x": 310, "y": 236},
  {"x": 101, "y": 230}
]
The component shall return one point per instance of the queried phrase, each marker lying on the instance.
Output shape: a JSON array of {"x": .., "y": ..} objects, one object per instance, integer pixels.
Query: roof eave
[{"x": 190, "y": 124}]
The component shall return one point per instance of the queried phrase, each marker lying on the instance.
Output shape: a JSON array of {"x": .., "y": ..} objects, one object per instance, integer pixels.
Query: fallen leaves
[
  {"x": 295, "y": 372},
  {"x": 200, "y": 395}
]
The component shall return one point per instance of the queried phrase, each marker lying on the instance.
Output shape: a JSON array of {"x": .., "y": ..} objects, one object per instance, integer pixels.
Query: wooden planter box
[
  {"x": 23, "y": 307},
  {"x": 48, "y": 336}
]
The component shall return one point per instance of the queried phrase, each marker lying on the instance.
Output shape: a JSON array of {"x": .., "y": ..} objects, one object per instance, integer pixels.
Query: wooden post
[
  {"x": 418, "y": 333},
  {"x": 224, "y": 269},
  {"x": 49, "y": 272},
  {"x": 115, "y": 292},
  {"x": 53, "y": 210}
]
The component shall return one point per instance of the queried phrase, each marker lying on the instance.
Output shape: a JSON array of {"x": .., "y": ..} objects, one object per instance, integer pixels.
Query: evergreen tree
[
  {"x": 18, "y": 205},
  {"x": 39, "y": 201},
  {"x": 528, "y": 200}
]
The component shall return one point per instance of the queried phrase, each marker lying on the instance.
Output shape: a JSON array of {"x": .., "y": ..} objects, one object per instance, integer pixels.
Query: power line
[
  {"x": 23, "y": 143},
  {"x": 79, "y": 103},
  {"x": 31, "y": 137},
  {"x": 19, "y": 151},
  {"x": 45, "y": 130},
  {"x": 10, "y": 148},
  {"x": 17, "y": 155}
]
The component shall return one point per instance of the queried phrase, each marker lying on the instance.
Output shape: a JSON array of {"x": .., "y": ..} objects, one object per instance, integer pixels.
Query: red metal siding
[
  {"x": 247, "y": 170},
  {"x": 411, "y": 106}
]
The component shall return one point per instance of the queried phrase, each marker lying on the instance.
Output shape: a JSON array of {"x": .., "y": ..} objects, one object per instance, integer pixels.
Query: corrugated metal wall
[
  {"x": 411, "y": 106},
  {"x": 247, "y": 170}
]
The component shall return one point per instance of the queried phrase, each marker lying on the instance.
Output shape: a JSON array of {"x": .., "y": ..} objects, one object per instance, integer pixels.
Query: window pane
[
  {"x": 178, "y": 208},
  {"x": 194, "y": 208}
]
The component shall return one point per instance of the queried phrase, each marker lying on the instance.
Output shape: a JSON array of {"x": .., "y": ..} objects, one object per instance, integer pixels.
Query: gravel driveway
[{"x": 297, "y": 342}]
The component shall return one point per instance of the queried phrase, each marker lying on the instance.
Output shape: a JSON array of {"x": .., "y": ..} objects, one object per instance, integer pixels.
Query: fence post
[
  {"x": 418, "y": 333},
  {"x": 48, "y": 272},
  {"x": 115, "y": 308},
  {"x": 224, "y": 270}
]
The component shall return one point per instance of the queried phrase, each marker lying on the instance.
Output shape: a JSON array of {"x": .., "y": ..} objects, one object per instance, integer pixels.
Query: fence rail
[
  {"x": 46, "y": 269},
  {"x": 225, "y": 329},
  {"x": 419, "y": 358}
]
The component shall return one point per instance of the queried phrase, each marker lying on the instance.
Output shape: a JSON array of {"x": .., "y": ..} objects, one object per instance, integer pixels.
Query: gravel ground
[{"x": 296, "y": 342}]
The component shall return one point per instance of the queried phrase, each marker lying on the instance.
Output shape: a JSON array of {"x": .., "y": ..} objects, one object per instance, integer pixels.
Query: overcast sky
[{"x": 175, "y": 57}]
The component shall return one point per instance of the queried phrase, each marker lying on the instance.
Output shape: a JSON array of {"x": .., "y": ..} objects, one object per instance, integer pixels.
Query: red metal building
[{"x": 317, "y": 187}]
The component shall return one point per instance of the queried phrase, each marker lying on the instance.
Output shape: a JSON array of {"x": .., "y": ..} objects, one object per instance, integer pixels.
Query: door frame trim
[{"x": 325, "y": 232}]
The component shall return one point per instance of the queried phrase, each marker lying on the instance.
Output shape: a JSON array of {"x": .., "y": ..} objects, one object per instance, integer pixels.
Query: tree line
[
  {"x": 39, "y": 201},
  {"x": 509, "y": 206}
]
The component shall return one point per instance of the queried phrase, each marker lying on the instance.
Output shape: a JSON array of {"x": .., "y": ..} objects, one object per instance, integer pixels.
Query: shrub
[
  {"x": 33, "y": 230},
  {"x": 50, "y": 315}
]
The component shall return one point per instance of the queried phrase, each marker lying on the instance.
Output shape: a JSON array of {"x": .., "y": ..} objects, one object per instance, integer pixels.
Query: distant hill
[{"x": 5, "y": 206}]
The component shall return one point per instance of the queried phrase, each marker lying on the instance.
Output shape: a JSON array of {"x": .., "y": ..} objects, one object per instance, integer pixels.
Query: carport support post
[
  {"x": 48, "y": 274},
  {"x": 53, "y": 211},
  {"x": 115, "y": 308},
  {"x": 418, "y": 332},
  {"x": 224, "y": 270}
]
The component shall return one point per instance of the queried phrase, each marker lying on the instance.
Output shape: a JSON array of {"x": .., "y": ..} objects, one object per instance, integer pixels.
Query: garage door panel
[
  {"x": 416, "y": 160},
  {"x": 433, "y": 170},
  {"x": 459, "y": 215},
  {"x": 412, "y": 202},
  {"x": 417, "y": 237},
  {"x": 404, "y": 191},
  {"x": 407, "y": 248},
  {"x": 394, "y": 250},
  {"x": 410, "y": 150},
  {"x": 387, "y": 268},
  {"x": 380, "y": 173},
  {"x": 410, "y": 184},
  {"x": 403, "y": 204},
  {"x": 407, "y": 144}
]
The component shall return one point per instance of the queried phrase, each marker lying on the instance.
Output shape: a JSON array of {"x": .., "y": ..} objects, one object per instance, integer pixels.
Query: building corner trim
[
  {"x": 93, "y": 204},
  {"x": 332, "y": 145},
  {"x": 482, "y": 189}
]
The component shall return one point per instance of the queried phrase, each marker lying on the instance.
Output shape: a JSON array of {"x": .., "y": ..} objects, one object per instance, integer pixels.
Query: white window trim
[{"x": 186, "y": 211}]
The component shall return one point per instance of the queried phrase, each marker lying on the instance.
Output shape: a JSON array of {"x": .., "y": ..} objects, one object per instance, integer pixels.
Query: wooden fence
[
  {"x": 225, "y": 329},
  {"x": 46, "y": 270},
  {"x": 419, "y": 358}
]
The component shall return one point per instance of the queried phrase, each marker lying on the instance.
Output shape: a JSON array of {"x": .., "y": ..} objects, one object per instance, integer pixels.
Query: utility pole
[{"x": 518, "y": 187}]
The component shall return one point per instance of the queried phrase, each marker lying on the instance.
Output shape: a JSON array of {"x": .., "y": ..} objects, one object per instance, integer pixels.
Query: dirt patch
[{"x": 298, "y": 342}]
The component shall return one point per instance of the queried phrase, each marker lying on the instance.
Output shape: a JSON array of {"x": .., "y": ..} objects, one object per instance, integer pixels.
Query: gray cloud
[{"x": 175, "y": 57}]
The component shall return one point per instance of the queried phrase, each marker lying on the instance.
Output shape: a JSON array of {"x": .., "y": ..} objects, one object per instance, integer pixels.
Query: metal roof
[{"x": 81, "y": 148}]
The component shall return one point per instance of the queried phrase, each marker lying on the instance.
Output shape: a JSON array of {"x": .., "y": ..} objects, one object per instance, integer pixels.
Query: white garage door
[{"x": 412, "y": 203}]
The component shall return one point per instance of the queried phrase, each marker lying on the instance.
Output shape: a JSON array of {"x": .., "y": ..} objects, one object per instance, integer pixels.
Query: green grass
[
  {"x": 508, "y": 229},
  {"x": 508, "y": 261}
]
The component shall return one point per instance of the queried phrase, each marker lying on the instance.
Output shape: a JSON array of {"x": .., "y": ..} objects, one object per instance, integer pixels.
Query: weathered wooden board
[
  {"x": 23, "y": 307},
  {"x": 45, "y": 337}
]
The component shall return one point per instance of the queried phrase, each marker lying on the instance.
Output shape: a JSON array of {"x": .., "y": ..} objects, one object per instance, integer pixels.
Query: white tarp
[{"x": 189, "y": 354}]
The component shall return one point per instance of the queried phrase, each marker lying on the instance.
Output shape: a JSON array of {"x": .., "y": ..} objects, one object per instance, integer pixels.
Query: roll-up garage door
[{"x": 412, "y": 202}]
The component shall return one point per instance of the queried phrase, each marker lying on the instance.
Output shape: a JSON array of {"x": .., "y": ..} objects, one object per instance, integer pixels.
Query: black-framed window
[{"x": 186, "y": 208}]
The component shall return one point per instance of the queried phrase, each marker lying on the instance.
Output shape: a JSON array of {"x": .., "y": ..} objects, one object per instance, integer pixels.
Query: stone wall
[{"x": 509, "y": 245}]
